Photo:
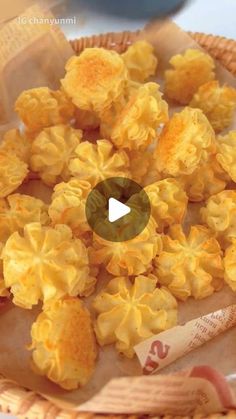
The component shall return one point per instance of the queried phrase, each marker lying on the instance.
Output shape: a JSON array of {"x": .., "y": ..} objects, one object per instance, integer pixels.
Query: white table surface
[{"x": 209, "y": 16}]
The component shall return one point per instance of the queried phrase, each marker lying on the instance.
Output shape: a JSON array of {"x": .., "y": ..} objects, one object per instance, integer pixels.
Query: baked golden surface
[{"x": 109, "y": 119}]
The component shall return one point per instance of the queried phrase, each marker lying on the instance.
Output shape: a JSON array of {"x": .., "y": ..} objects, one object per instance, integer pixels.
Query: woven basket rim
[
  {"x": 138, "y": 31},
  {"x": 219, "y": 47},
  {"x": 18, "y": 400}
]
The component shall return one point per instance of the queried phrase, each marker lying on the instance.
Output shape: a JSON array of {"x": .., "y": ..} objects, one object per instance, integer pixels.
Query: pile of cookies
[{"x": 108, "y": 120}]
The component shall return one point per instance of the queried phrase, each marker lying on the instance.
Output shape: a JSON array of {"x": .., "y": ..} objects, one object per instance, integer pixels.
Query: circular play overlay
[{"x": 118, "y": 209}]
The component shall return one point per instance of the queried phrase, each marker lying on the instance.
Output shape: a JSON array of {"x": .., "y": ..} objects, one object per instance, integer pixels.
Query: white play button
[{"x": 116, "y": 210}]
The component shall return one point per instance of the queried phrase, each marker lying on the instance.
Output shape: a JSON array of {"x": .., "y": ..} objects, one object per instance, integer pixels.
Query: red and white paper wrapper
[
  {"x": 198, "y": 390},
  {"x": 166, "y": 347}
]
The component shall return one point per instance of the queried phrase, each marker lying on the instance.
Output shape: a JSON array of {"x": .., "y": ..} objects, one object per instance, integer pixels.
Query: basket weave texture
[
  {"x": 220, "y": 48},
  {"x": 26, "y": 404}
]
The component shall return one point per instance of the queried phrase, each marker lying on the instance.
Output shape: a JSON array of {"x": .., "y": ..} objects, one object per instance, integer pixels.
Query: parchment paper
[
  {"x": 219, "y": 353},
  {"x": 31, "y": 55}
]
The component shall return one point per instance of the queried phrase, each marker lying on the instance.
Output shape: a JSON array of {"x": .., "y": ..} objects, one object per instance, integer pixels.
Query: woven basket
[
  {"x": 222, "y": 49},
  {"x": 26, "y": 404}
]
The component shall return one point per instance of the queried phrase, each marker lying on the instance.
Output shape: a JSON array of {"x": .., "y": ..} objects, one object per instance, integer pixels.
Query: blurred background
[
  {"x": 209, "y": 16},
  {"x": 92, "y": 16}
]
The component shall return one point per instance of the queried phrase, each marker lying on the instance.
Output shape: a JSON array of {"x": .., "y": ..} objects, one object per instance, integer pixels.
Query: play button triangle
[{"x": 116, "y": 210}]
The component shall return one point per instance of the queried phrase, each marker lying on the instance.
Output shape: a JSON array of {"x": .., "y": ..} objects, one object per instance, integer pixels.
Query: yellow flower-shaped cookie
[
  {"x": 41, "y": 107},
  {"x": 13, "y": 171},
  {"x": 143, "y": 167},
  {"x": 136, "y": 126},
  {"x": 230, "y": 265},
  {"x": 16, "y": 143},
  {"x": 190, "y": 265},
  {"x": 168, "y": 202},
  {"x": 63, "y": 343},
  {"x": 68, "y": 205},
  {"x": 226, "y": 153},
  {"x": 208, "y": 179},
  {"x": 45, "y": 263},
  {"x": 140, "y": 61},
  {"x": 109, "y": 116},
  {"x": 139, "y": 164},
  {"x": 184, "y": 142},
  {"x": 52, "y": 151},
  {"x": 17, "y": 210},
  {"x": 96, "y": 162},
  {"x": 131, "y": 257},
  {"x": 217, "y": 102},
  {"x": 132, "y": 88},
  {"x": 130, "y": 313},
  {"x": 190, "y": 70},
  {"x": 220, "y": 215},
  {"x": 95, "y": 79}
]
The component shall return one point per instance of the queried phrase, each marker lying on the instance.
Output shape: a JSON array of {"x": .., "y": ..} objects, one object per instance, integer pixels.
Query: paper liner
[
  {"x": 201, "y": 389},
  {"x": 168, "y": 39},
  {"x": 163, "y": 349},
  {"x": 9, "y": 10},
  {"x": 35, "y": 56},
  {"x": 124, "y": 389}
]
